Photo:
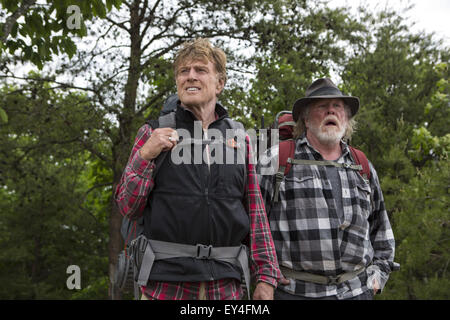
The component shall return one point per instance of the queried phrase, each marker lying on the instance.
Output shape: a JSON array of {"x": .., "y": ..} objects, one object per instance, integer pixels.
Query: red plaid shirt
[{"x": 131, "y": 197}]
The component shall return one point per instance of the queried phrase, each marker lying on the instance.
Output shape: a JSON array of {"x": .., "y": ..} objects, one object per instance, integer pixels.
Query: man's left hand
[{"x": 263, "y": 291}]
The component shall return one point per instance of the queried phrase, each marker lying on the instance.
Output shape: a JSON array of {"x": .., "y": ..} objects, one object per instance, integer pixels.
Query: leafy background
[{"x": 71, "y": 101}]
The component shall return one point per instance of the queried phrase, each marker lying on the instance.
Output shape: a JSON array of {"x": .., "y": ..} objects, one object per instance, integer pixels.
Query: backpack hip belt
[
  {"x": 145, "y": 252},
  {"x": 315, "y": 278}
]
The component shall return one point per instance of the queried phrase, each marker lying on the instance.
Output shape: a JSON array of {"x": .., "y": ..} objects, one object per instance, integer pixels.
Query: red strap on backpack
[
  {"x": 285, "y": 125},
  {"x": 286, "y": 150},
  {"x": 360, "y": 158}
]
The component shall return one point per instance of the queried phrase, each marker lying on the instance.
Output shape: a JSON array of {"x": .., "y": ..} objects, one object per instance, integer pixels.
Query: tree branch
[
  {"x": 61, "y": 84},
  {"x": 98, "y": 186},
  {"x": 149, "y": 18},
  {"x": 12, "y": 19},
  {"x": 120, "y": 25},
  {"x": 95, "y": 152},
  {"x": 148, "y": 104}
]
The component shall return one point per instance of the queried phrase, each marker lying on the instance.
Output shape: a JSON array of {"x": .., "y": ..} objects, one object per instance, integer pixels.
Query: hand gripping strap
[{"x": 165, "y": 121}]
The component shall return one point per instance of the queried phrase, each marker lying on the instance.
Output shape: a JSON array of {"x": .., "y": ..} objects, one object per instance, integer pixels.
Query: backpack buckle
[
  {"x": 332, "y": 280},
  {"x": 203, "y": 251}
]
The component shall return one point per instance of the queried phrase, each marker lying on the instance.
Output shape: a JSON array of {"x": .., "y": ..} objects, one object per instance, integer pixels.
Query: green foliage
[
  {"x": 426, "y": 146},
  {"x": 62, "y": 149},
  {"x": 437, "y": 112},
  {"x": 3, "y": 115},
  {"x": 46, "y": 216},
  {"x": 295, "y": 43},
  {"x": 422, "y": 229},
  {"x": 36, "y": 33}
]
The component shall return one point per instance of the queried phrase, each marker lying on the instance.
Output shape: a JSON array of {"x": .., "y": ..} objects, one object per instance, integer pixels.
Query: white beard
[{"x": 328, "y": 135}]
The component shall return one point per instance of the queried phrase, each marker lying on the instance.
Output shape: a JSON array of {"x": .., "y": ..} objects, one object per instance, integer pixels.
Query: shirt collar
[{"x": 220, "y": 111}]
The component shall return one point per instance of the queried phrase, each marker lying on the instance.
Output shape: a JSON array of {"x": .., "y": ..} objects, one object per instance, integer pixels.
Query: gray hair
[{"x": 300, "y": 126}]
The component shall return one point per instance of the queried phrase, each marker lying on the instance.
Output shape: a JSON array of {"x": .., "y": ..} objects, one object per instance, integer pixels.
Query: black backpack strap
[
  {"x": 237, "y": 126},
  {"x": 168, "y": 120},
  {"x": 164, "y": 121},
  {"x": 234, "y": 124}
]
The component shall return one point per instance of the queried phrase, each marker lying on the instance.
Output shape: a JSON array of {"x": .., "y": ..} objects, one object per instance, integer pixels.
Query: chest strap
[
  {"x": 315, "y": 278},
  {"x": 145, "y": 252},
  {"x": 279, "y": 176},
  {"x": 325, "y": 163}
]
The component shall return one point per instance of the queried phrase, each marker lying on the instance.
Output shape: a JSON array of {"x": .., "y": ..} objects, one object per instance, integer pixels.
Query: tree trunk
[
  {"x": 115, "y": 246},
  {"x": 121, "y": 151}
]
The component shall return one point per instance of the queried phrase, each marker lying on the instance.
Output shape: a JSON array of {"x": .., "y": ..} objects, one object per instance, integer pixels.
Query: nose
[
  {"x": 330, "y": 109},
  {"x": 192, "y": 75}
]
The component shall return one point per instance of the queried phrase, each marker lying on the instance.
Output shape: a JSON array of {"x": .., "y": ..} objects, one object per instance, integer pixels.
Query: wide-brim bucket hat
[{"x": 324, "y": 88}]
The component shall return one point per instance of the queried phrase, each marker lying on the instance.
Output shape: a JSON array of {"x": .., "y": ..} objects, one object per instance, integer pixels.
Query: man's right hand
[{"x": 161, "y": 139}]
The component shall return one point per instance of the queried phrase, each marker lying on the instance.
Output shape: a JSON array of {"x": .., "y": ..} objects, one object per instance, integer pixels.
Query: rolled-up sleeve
[{"x": 264, "y": 266}]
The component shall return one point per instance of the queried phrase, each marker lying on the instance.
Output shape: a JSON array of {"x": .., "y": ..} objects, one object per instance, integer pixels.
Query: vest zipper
[{"x": 208, "y": 161}]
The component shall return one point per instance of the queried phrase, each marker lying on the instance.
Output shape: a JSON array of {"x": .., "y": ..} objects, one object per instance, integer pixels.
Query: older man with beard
[{"x": 329, "y": 223}]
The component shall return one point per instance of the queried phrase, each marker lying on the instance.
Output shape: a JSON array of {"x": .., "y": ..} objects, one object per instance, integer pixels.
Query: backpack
[{"x": 285, "y": 124}]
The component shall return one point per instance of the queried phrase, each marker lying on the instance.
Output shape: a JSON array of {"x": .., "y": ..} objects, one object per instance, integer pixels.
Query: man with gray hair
[
  {"x": 205, "y": 228},
  {"x": 329, "y": 224}
]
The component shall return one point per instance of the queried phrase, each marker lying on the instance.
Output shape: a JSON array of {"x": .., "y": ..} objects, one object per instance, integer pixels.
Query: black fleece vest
[{"x": 197, "y": 204}]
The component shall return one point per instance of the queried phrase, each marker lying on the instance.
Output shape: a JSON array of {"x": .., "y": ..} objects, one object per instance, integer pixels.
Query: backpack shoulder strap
[
  {"x": 164, "y": 121},
  {"x": 285, "y": 151},
  {"x": 168, "y": 120},
  {"x": 360, "y": 158},
  {"x": 236, "y": 125}
]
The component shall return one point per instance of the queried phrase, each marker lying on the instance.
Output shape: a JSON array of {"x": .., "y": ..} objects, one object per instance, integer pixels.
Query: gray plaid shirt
[{"x": 314, "y": 233}]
